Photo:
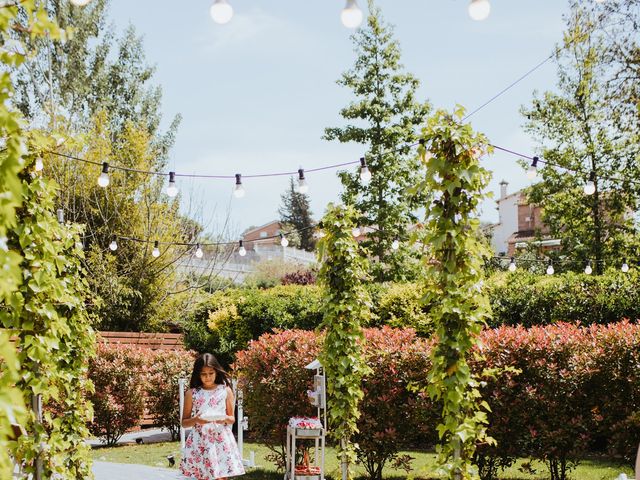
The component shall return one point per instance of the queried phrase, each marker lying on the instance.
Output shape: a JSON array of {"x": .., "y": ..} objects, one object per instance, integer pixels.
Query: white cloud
[{"x": 243, "y": 27}]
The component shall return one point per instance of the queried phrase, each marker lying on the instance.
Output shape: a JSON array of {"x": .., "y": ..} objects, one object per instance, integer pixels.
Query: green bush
[
  {"x": 527, "y": 299},
  {"x": 225, "y": 321}
]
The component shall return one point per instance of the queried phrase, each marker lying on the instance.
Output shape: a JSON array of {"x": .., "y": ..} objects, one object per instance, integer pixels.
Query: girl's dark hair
[{"x": 208, "y": 360}]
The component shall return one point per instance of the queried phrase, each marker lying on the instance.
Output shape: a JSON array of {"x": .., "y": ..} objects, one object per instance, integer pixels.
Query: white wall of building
[{"x": 508, "y": 220}]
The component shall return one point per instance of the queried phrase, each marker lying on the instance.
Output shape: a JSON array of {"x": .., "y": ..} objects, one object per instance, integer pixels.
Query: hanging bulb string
[
  {"x": 572, "y": 170},
  {"x": 206, "y": 244}
]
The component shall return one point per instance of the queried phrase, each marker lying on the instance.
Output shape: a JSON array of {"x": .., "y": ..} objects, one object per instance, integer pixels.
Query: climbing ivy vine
[
  {"x": 34, "y": 21},
  {"x": 346, "y": 307},
  {"x": 453, "y": 275},
  {"x": 53, "y": 335}
]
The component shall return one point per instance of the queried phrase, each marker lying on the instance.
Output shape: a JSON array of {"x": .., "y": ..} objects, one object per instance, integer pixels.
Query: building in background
[{"x": 519, "y": 226}]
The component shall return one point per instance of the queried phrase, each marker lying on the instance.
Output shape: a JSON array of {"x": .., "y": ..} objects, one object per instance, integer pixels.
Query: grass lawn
[{"x": 155, "y": 455}]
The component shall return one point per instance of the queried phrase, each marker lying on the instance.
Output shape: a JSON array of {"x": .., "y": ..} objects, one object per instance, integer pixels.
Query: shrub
[
  {"x": 560, "y": 392},
  {"x": 118, "y": 400},
  {"x": 393, "y": 415},
  {"x": 399, "y": 305},
  {"x": 271, "y": 372},
  {"x": 164, "y": 368},
  {"x": 527, "y": 299},
  {"x": 226, "y": 321},
  {"x": 272, "y": 376},
  {"x": 299, "y": 277}
]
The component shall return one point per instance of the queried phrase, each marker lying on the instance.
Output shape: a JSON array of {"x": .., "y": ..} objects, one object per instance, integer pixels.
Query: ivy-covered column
[
  {"x": 31, "y": 18},
  {"x": 455, "y": 182},
  {"x": 53, "y": 335},
  {"x": 346, "y": 307}
]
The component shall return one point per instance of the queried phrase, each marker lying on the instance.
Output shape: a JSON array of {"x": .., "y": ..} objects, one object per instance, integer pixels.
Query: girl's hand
[
  {"x": 227, "y": 421},
  {"x": 200, "y": 421}
]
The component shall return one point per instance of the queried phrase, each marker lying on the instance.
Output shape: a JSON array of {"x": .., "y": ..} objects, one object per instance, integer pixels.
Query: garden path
[{"x": 122, "y": 471}]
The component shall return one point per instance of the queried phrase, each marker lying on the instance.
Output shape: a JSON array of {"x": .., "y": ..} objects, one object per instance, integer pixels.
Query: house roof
[{"x": 261, "y": 227}]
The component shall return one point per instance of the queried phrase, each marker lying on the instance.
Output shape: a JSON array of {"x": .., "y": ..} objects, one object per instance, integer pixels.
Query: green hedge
[{"x": 225, "y": 321}]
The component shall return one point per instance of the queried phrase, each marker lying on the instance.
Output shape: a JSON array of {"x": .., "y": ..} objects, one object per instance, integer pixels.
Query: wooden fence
[{"x": 154, "y": 341}]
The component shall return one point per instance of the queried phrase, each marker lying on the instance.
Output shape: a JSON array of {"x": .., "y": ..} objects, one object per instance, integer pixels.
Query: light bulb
[
  {"x": 625, "y": 267},
  {"x": 39, "y": 164},
  {"x": 365, "y": 173},
  {"x": 199, "y": 253},
  {"x": 156, "y": 249},
  {"x": 221, "y": 11},
  {"x": 512, "y": 265},
  {"x": 479, "y": 9},
  {"x": 242, "y": 251},
  {"x": 355, "y": 231},
  {"x": 588, "y": 270},
  {"x": 395, "y": 245},
  {"x": 351, "y": 15},
  {"x": 302, "y": 186},
  {"x": 113, "y": 246},
  {"x": 589, "y": 188},
  {"x": 550, "y": 270},
  {"x": 79, "y": 3},
  {"x": 172, "y": 190},
  {"x": 238, "y": 190},
  {"x": 283, "y": 241},
  {"x": 103, "y": 179}
]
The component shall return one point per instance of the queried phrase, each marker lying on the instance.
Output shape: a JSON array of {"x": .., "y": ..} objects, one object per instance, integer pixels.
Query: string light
[
  {"x": 113, "y": 246},
  {"x": 550, "y": 269},
  {"x": 156, "y": 249},
  {"x": 238, "y": 190},
  {"x": 533, "y": 169},
  {"x": 39, "y": 164},
  {"x": 103, "y": 179},
  {"x": 395, "y": 245},
  {"x": 80, "y": 3},
  {"x": 590, "y": 186},
  {"x": 241, "y": 251},
  {"x": 199, "y": 253},
  {"x": 172, "y": 190},
  {"x": 512, "y": 265},
  {"x": 625, "y": 266},
  {"x": 365, "y": 173},
  {"x": 283, "y": 240},
  {"x": 302, "y": 187},
  {"x": 351, "y": 15},
  {"x": 479, "y": 9},
  {"x": 588, "y": 270},
  {"x": 221, "y": 11}
]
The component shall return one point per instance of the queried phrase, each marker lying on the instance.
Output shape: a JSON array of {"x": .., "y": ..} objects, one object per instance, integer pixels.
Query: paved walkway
[
  {"x": 121, "y": 471},
  {"x": 124, "y": 471}
]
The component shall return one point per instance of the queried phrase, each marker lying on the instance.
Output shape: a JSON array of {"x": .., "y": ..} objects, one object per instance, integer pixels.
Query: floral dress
[{"x": 210, "y": 450}]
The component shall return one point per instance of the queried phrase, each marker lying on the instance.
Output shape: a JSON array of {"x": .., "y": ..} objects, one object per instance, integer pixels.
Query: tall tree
[
  {"x": 296, "y": 217},
  {"x": 386, "y": 117},
  {"x": 83, "y": 73},
  {"x": 579, "y": 128}
]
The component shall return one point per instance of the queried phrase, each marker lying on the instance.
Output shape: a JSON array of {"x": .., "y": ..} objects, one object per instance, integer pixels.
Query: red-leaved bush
[
  {"x": 164, "y": 369},
  {"x": 118, "y": 401},
  {"x": 559, "y": 392},
  {"x": 130, "y": 381}
]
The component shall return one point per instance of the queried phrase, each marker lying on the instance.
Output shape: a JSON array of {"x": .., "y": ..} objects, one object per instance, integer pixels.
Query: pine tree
[
  {"x": 579, "y": 128},
  {"x": 386, "y": 118},
  {"x": 296, "y": 217}
]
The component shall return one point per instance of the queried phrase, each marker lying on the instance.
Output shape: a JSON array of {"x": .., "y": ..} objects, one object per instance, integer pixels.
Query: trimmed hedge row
[
  {"x": 562, "y": 391},
  {"x": 226, "y": 321},
  {"x": 130, "y": 381}
]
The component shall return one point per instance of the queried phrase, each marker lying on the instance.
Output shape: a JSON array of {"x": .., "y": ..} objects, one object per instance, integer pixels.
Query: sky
[{"x": 256, "y": 94}]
